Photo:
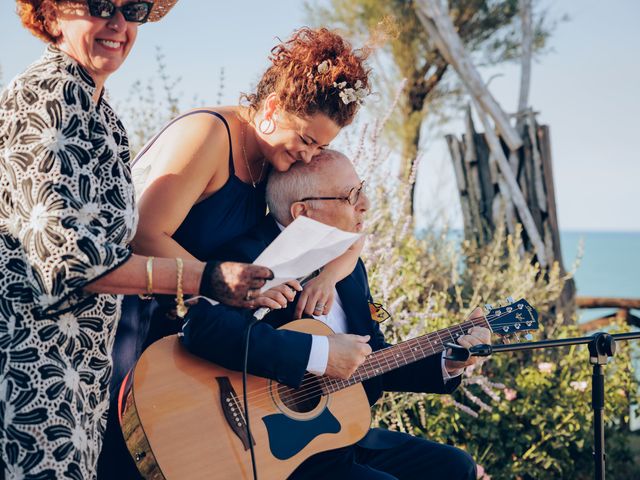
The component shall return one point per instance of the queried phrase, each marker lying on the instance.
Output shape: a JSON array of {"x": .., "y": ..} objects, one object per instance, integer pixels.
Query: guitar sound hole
[{"x": 300, "y": 400}]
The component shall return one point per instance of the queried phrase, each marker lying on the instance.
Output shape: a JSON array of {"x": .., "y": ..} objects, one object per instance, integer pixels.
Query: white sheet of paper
[{"x": 303, "y": 247}]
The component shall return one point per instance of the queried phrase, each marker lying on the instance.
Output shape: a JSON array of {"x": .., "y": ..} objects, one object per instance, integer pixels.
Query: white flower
[
  {"x": 358, "y": 84},
  {"x": 88, "y": 212},
  {"x": 348, "y": 95},
  {"x": 340, "y": 85},
  {"x": 45, "y": 300},
  {"x": 361, "y": 93},
  {"x": 14, "y": 224},
  {"x": 69, "y": 324},
  {"x": 39, "y": 218},
  {"x": 79, "y": 438},
  {"x": 53, "y": 139},
  {"x": 324, "y": 67},
  {"x": 71, "y": 378},
  {"x": 579, "y": 386},
  {"x": 545, "y": 367}
]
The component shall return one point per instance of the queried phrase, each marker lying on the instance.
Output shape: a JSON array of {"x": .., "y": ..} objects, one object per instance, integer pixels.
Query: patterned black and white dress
[{"x": 67, "y": 214}]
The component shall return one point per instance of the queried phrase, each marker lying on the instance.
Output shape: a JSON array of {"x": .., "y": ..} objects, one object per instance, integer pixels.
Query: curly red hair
[
  {"x": 301, "y": 88},
  {"x": 36, "y": 15}
]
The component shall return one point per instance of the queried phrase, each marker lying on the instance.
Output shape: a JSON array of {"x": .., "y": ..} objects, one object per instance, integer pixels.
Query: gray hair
[{"x": 300, "y": 181}]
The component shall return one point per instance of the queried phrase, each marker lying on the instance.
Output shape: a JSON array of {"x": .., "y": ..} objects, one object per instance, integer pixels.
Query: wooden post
[
  {"x": 527, "y": 44},
  {"x": 442, "y": 32}
]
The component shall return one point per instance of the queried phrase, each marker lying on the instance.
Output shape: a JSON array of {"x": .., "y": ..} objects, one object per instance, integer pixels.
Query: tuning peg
[
  {"x": 488, "y": 307},
  {"x": 510, "y": 299}
]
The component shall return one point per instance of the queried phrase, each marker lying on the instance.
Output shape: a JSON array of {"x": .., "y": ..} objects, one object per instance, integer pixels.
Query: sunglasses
[
  {"x": 135, "y": 12},
  {"x": 352, "y": 198}
]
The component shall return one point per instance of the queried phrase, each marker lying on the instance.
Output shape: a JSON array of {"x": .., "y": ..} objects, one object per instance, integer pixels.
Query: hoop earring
[{"x": 267, "y": 127}]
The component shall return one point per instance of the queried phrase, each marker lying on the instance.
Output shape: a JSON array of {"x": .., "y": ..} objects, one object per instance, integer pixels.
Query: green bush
[{"x": 520, "y": 415}]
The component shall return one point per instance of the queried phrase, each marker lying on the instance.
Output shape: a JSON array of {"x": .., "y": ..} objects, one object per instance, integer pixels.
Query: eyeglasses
[
  {"x": 352, "y": 197},
  {"x": 136, "y": 12}
]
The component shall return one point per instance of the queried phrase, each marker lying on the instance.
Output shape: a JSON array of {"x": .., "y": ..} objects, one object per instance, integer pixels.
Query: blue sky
[{"x": 586, "y": 89}]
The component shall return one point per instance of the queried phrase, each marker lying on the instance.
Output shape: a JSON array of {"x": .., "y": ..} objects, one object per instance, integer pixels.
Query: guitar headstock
[{"x": 514, "y": 318}]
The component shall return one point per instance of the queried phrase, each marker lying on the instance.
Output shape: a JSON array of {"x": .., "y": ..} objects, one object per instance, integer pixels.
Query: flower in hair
[
  {"x": 348, "y": 95},
  {"x": 324, "y": 67}
]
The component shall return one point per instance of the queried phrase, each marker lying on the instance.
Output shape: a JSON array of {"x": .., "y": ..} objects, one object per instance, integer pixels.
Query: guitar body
[{"x": 184, "y": 418}]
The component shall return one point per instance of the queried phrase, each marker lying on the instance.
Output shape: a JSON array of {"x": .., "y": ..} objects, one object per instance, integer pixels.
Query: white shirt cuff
[
  {"x": 319, "y": 355},
  {"x": 446, "y": 376}
]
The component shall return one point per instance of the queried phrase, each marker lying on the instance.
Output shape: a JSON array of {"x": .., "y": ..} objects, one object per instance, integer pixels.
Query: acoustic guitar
[{"x": 183, "y": 417}]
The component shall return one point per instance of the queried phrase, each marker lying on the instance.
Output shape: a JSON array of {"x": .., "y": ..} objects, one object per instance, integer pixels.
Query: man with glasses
[{"x": 328, "y": 190}]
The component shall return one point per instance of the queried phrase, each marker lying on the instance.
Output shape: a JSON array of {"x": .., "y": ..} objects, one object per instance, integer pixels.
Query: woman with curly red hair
[
  {"x": 67, "y": 214},
  {"x": 201, "y": 182}
]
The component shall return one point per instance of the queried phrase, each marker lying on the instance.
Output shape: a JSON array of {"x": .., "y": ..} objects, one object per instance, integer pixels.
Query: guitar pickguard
[{"x": 288, "y": 436}]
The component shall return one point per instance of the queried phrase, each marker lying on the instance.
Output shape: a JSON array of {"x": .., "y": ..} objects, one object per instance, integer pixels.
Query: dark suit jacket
[{"x": 216, "y": 332}]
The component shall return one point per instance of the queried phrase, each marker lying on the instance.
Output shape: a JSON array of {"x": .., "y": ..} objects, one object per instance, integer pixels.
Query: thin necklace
[{"x": 246, "y": 162}]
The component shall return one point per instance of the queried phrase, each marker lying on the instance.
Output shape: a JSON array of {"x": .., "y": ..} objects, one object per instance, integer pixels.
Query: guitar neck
[{"x": 403, "y": 353}]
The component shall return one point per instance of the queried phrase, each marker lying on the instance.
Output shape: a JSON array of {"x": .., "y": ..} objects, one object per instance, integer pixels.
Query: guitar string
[
  {"x": 310, "y": 387},
  {"x": 367, "y": 370},
  {"x": 314, "y": 383}
]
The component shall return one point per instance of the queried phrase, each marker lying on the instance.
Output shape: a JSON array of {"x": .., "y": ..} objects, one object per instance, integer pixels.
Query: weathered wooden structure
[{"x": 504, "y": 175}]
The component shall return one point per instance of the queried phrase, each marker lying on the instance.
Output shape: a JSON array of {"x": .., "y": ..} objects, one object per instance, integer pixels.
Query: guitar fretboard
[{"x": 401, "y": 354}]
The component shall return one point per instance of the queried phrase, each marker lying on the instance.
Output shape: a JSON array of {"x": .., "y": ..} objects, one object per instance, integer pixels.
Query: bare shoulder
[
  {"x": 198, "y": 140},
  {"x": 190, "y": 158}
]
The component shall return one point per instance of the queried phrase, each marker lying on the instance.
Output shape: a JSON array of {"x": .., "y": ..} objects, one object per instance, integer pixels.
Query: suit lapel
[{"x": 354, "y": 304}]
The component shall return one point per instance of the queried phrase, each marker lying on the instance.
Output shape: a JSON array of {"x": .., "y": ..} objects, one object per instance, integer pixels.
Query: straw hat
[{"x": 160, "y": 9}]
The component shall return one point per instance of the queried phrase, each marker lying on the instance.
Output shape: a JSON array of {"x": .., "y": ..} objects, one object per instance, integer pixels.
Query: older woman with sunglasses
[{"x": 67, "y": 214}]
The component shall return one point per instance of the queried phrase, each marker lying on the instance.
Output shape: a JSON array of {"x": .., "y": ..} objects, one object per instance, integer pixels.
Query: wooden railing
[{"x": 623, "y": 306}]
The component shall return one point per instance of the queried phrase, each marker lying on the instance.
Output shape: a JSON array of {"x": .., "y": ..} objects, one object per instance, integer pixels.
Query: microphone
[{"x": 260, "y": 313}]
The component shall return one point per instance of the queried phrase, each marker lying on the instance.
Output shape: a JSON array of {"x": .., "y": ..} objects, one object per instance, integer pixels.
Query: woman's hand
[
  {"x": 278, "y": 297},
  {"x": 317, "y": 296},
  {"x": 233, "y": 283}
]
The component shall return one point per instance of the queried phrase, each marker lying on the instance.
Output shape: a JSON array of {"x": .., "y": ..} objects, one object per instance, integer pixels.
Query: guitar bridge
[{"x": 233, "y": 411}]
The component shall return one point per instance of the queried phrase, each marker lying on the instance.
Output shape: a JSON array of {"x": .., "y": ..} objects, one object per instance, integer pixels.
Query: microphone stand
[{"x": 601, "y": 347}]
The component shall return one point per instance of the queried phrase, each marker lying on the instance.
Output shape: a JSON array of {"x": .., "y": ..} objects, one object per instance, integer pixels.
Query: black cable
[{"x": 257, "y": 316}]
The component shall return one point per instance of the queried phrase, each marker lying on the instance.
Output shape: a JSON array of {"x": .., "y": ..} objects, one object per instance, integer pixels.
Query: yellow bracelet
[
  {"x": 181, "y": 308},
  {"x": 149, "y": 294}
]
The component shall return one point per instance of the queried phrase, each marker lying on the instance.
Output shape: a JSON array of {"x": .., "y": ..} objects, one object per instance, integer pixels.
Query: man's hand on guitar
[
  {"x": 475, "y": 336},
  {"x": 346, "y": 353}
]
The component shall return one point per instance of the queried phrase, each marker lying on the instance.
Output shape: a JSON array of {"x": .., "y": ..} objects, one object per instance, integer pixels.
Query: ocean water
[
  {"x": 610, "y": 264},
  {"x": 609, "y": 267}
]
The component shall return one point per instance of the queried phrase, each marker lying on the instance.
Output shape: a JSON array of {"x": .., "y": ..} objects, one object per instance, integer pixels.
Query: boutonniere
[{"x": 378, "y": 312}]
